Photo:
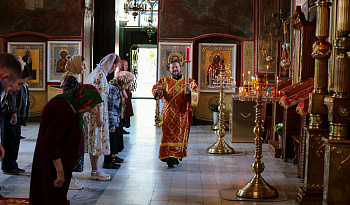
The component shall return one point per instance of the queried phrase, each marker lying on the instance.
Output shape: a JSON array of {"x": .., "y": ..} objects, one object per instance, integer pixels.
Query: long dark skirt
[
  {"x": 116, "y": 140},
  {"x": 126, "y": 122},
  {"x": 79, "y": 163},
  {"x": 128, "y": 110}
]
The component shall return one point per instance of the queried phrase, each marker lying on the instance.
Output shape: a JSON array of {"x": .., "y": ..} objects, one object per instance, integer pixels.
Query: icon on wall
[
  {"x": 59, "y": 52},
  {"x": 33, "y": 54}
]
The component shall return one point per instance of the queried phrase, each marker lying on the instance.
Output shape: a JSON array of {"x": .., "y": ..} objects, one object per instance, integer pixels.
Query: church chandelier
[{"x": 138, "y": 7}]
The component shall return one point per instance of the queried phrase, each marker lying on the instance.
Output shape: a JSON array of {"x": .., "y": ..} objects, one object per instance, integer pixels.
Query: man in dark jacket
[{"x": 15, "y": 113}]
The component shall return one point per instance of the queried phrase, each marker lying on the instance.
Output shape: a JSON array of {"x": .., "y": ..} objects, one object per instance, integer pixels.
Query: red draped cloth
[
  {"x": 302, "y": 108},
  {"x": 294, "y": 99},
  {"x": 13, "y": 200},
  {"x": 176, "y": 116}
]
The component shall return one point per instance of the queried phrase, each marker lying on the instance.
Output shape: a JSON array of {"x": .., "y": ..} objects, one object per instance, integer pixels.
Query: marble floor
[{"x": 144, "y": 179}]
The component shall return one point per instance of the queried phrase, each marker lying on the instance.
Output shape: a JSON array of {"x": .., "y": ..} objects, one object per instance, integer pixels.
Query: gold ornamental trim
[
  {"x": 173, "y": 144},
  {"x": 341, "y": 158},
  {"x": 317, "y": 144}
]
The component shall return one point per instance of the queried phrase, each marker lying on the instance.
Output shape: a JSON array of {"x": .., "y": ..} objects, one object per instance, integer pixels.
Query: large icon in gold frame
[
  {"x": 210, "y": 55},
  {"x": 33, "y": 54}
]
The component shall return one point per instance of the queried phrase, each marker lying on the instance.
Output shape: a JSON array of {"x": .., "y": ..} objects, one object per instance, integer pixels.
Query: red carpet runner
[{"x": 15, "y": 201}]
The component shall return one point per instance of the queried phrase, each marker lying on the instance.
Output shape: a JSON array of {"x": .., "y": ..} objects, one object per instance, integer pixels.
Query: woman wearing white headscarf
[
  {"x": 74, "y": 67},
  {"x": 97, "y": 127}
]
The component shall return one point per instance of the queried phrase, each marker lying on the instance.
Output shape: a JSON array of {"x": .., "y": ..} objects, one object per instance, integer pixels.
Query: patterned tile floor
[{"x": 144, "y": 179}]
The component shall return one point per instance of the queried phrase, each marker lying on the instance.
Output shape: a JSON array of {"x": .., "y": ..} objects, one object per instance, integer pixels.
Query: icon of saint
[
  {"x": 61, "y": 64},
  {"x": 27, "y": 58},
  {"x": 212, "y": 69}
]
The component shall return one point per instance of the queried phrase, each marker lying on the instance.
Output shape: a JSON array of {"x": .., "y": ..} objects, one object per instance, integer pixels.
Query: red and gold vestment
[{"x": 176, "y": 115}]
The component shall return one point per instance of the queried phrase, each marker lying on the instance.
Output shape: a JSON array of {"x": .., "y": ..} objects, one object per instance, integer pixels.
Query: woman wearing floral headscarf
[
  {"x": 123, "y": 70},
  {"x": 75, "y": 66},
  {"x": 96, "y": 129},
  {"x": 58, "y": 143}
]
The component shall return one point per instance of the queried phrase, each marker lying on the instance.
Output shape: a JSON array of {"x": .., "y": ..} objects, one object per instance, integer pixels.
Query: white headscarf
[
  {"x": 105, "y": 66},
  {"x": 73, "y": 68}
]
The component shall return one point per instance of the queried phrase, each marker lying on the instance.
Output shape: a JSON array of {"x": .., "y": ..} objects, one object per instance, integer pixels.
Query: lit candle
[
  {"x": 209, "y": 77},
  {"x": 277, "y": 86},
  {"x": 240, "y": 93},
  {"x": 187, "y": 53},
  {"x": 243, "y": 80},
  {"x": 267, "y": 69},
  {"x": 248, "y": 81}
]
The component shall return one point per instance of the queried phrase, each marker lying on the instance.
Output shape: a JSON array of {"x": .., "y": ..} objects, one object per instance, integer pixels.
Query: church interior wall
[
  {"x": 246, "y": 24},
  {"x": 227, "y": 22},
  {"x": 39, "y": 22}
]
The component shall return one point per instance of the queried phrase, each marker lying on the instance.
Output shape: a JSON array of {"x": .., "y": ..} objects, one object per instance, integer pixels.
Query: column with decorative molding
[
  {"x": 311, "y": 191},
  {"x": 337, "y": 147}
]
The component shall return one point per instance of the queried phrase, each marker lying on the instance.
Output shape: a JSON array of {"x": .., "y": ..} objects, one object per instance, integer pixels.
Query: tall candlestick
[{"x": 187, "y": 53}]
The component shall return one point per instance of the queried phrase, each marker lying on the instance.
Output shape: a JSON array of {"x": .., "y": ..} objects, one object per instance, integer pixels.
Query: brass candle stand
[
  {"x": 257, "y": 187},
  {"x": 157, "y": 116},
  {"x": 220, "y": 146}
]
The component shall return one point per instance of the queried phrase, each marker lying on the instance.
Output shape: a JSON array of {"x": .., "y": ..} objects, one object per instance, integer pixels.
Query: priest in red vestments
[{"x": 179, "y": 98}]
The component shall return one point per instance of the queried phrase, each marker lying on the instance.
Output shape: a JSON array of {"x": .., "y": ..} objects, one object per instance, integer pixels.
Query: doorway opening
[{"x": 146, "y": 71}]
